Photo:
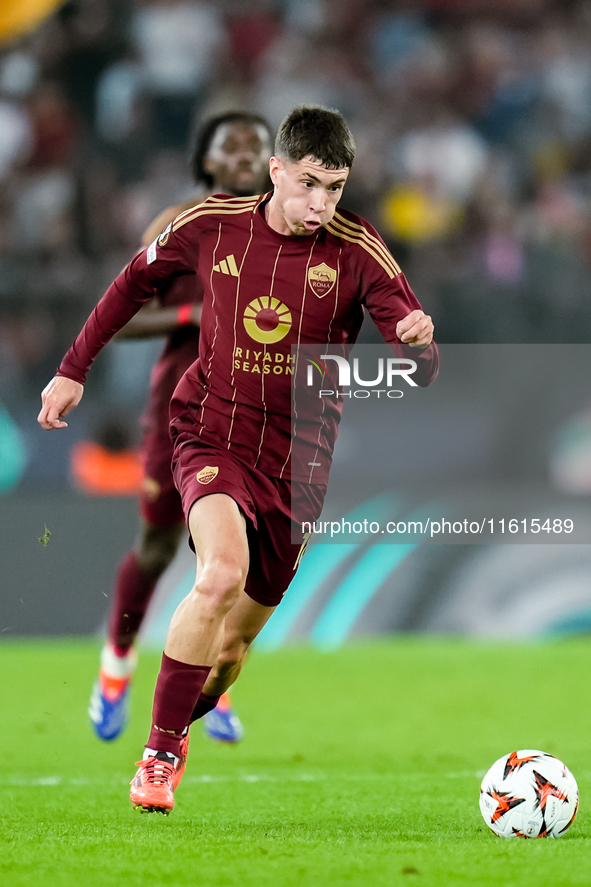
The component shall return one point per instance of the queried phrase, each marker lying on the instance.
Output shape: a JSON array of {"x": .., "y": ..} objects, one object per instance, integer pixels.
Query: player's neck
[{"x": 275, "y": 219}]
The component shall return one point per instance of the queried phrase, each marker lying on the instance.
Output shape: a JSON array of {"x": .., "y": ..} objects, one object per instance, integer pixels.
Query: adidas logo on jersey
[{"x": 227, "y": 266}]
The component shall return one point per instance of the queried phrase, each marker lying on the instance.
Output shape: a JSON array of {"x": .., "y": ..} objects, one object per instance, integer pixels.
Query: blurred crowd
[{"x": 472, "y": 120}]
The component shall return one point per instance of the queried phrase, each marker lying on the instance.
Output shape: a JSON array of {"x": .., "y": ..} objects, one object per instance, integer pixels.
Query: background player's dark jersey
[{"x": 263, "y": 293}]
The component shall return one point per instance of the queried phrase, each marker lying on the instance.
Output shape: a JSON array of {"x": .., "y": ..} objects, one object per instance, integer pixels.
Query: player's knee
[{"x": 222, "y": 580}]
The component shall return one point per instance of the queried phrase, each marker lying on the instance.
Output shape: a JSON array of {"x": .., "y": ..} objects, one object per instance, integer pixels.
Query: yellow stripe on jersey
[
  {"x": 354, "y": 233},
  {"x": 190, "y": 209},
  {"x": 215, "y": 199},
  {"x": 222, "y": 201},
  {"x": 205, "y": 209},
  {"x": 355, "y": 227},
  {"x": 253, "y": 202}
]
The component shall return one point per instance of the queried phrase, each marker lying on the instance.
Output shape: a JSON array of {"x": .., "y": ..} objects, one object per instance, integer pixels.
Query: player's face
[
  {"x": 305, "y": 196},
  {"x": 238, "y": 157}
]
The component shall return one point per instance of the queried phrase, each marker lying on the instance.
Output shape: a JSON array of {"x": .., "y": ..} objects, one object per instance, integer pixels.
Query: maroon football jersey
[
  {"x": 264, "y": 292},
  {"x": 179, "y": 352}
]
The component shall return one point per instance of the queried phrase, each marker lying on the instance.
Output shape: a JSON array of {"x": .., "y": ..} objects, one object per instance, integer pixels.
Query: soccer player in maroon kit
[
  {"x": 246, "y": 481},
  {"x": 231, "y": 156}
]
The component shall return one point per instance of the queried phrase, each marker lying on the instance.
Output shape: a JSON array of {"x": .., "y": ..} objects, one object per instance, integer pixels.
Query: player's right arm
[
  {"x": 58, "y": 399},
  {"x": 135, "y": 286}
]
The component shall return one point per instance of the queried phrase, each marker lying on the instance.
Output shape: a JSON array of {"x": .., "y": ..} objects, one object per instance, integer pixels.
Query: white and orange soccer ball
[{"x": 529, "y": 794}]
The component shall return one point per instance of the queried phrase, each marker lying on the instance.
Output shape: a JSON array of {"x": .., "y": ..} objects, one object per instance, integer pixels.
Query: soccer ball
[{"x": 529, "y": 794}]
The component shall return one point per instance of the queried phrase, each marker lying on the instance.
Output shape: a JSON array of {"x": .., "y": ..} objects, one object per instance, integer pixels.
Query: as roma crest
[
  {"x": 207, "y": 474},
  {"x": 322, "y": 279}
]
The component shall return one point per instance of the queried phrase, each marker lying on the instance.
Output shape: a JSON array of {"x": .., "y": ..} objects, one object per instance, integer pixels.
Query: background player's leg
[{"x": 137, "y": 577}]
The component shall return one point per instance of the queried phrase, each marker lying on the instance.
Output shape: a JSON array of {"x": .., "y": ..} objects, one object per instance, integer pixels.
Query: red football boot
[{"x": 153, "y": 785}]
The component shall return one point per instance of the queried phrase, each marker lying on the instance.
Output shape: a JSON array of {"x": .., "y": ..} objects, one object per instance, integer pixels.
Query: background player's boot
[
  {"x": 109, "y": 700},
  {"x": 153, "y": 785},
  {"x": 222, "y": 723}
]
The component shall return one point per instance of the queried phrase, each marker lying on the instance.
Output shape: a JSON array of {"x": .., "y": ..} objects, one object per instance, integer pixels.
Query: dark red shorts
[
  {"x": 274, "y": 510},
  {"x": 160, "y": 502}
]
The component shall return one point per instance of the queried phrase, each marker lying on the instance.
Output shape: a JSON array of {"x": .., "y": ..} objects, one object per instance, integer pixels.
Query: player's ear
[
  {"x": 208, "y": 165},
  {"x": 275, "y": 167}
]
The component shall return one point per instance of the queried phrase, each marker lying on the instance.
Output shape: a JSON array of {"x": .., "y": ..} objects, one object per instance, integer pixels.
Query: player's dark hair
[
  {"x": 205, "y": 136},
  {"x": 311, "y": 130}
]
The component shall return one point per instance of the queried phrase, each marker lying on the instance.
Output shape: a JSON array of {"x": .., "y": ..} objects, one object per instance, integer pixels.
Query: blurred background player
[{"x": 231, "y": 157}]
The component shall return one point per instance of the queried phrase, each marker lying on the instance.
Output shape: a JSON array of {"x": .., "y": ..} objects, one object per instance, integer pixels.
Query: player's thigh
[{"x": 218, "y": 531}]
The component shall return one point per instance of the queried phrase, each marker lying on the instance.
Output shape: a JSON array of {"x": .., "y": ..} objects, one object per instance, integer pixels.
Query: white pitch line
[
  {"x": 53, "y": 781},
  {"x": 248, "y": 778}
]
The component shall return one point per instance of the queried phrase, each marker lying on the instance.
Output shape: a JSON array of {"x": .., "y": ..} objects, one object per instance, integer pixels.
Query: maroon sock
[
  {"x": 178, "y": 688},
  {"x": 204, "y": 704},
  {"x": 133, "y": 592}
]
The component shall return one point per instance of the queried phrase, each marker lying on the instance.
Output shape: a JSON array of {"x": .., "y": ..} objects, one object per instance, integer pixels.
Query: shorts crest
[{"x": 207, "y": 474}]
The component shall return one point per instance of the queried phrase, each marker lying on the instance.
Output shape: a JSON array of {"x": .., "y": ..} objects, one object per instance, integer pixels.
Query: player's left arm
[
  {"x": 402, "y": 322},
  {"x": 385, "y": 292},
  {"x": 416, "y": 329}
]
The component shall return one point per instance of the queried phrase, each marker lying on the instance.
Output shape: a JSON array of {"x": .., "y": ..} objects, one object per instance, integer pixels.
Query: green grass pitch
[{"x": 359, "y": 767}]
